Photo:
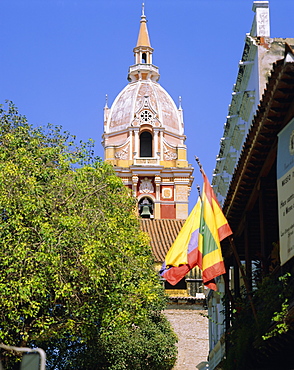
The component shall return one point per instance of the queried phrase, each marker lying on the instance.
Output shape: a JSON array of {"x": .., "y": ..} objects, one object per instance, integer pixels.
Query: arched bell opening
[
  {"x": 145, "y": 144},
  {"x": 146, "y": 207},
  {"x": 144, "y": 58}
]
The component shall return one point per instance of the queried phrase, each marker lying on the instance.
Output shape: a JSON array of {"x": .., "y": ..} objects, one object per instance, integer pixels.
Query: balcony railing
[
  {"x": 149, "y": 67},
  {"x": 153, "y": 161}
]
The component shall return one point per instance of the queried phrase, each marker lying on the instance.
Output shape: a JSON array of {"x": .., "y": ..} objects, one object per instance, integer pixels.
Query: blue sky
[{"x": 59, "y": 58}]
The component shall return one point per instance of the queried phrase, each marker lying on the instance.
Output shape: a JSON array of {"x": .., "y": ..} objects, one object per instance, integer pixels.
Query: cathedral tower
[{"x": 144, "y": 139}]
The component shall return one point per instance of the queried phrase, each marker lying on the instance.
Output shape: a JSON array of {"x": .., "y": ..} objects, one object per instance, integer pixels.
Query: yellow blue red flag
[{"x": 183, "y": 254}]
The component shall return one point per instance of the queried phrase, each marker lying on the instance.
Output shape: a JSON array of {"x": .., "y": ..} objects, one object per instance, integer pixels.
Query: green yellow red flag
[{"x": 198, "y": 242}]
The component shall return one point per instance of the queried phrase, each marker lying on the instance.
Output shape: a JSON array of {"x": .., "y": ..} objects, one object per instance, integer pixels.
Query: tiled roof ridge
[{"x": 162, "y": 233}]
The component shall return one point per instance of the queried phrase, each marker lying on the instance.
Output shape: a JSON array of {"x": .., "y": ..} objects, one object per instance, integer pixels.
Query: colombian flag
[
  {"x": 198, "y": 242},
  {"x": 213, "y": 229}
]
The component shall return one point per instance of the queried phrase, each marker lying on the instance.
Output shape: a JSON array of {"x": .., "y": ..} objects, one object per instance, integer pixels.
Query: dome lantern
[{"x": 143, "y": 67}]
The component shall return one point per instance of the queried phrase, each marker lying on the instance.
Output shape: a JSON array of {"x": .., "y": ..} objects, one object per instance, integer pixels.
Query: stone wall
[{"x": 191, "y": 328}]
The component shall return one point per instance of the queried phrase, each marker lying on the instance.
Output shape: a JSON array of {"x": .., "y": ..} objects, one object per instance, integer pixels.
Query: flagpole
[{"x": 199, "y": 192}]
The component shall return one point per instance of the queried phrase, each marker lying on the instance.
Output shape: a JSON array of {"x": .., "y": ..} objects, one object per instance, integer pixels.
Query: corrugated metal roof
[
  {"x": 162, "y": 234},
  {"x": 257, "y": 160}
]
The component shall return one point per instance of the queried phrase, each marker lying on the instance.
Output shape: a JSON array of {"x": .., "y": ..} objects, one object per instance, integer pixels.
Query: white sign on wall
[{"x": 285, "y": 184}]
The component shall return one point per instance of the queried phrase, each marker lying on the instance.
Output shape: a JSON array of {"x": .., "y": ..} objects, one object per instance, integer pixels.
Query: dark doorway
[{"x": 180, "y": 285}]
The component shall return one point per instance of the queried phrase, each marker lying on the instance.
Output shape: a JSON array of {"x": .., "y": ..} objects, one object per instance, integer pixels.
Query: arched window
[
  {"x": 145, "y": 144},
  {"x": 144, "y": 58}
]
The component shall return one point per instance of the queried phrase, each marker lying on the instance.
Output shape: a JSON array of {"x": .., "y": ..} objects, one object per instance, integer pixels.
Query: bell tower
[{"x": 144, "y": 139}]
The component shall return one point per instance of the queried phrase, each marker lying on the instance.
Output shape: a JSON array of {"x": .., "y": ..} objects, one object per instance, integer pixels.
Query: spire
[
  {"x": 180, "y": 102},
  {"x": 106, "y": 111},
  {"x": 143, "y": 38}
]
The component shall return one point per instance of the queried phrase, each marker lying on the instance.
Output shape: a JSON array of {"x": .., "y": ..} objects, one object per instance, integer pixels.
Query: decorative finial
[
  {"x": 198, "y": 188},
  {"x": 106, "y": 101},
  {"x": 143, "y": 8},
  {"x": 199, "y": 164},
  {"x": 180, "y": 102}
]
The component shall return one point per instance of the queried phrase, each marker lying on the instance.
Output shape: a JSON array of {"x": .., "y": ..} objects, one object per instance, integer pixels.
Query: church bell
[{"x": 146, "y": 212}]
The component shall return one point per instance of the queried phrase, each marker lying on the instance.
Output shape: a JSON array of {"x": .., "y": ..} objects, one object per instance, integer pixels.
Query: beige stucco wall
[{"x": 191, "y": 327}]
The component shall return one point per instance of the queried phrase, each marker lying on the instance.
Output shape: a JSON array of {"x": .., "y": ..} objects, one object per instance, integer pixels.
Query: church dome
[{"x": 144, "y": 101}]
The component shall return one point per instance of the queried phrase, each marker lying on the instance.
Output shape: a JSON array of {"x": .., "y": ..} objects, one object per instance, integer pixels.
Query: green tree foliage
[{"x": 77, "y": 274}]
